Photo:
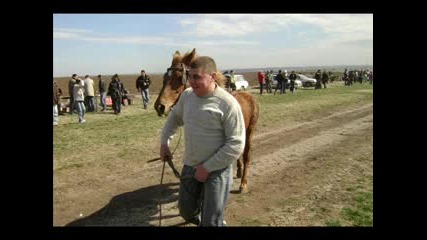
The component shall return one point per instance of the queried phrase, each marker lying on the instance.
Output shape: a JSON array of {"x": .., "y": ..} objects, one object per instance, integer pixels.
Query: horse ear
[
  {"x": 189, "y": 57},
  {"x": 177, "y": 52}
]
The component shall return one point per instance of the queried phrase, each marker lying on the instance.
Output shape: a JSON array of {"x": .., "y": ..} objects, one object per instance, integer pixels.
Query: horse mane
[{"x": 220, "y": 79}]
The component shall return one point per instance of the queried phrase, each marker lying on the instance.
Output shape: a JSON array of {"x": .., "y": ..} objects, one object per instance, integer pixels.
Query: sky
[{"x": 127, "y": 43}]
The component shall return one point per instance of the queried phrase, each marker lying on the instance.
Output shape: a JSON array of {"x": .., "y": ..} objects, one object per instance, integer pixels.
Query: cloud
[
  {"x": 91, "y": 36},
  {"x": 232, "y": 25},
  {"x": 335, "y": 28},
  {"x": 69, "y": 33}
]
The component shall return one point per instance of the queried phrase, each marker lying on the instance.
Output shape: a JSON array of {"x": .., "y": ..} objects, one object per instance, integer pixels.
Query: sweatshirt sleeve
[
  {"x": 174, "y": 121},
  {"x": 235, "y": 136}
]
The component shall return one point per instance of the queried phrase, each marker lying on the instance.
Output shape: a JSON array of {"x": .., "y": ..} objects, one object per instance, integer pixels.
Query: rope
[{"x": 163, "y": 173}]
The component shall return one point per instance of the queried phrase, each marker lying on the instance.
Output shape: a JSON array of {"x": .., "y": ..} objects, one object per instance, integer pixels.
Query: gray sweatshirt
[{"x": 214, "y": 128}]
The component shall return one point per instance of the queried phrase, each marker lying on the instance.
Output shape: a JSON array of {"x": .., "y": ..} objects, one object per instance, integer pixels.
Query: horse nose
[{"x": 160, "y": 108}]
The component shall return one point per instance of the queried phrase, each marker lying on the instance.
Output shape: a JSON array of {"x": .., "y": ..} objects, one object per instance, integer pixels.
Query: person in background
[
  {"x": 325, "y": 78},
  {"x": 285, "y": 81},
  {"x": 292, "y": 79},
  {"x": 79, "y": 98},
  {"x": 214, "y": 134},
  {"x": 232, "y": 81},
  {"x": 318, "y": 77},
  {"x": 89, "y": 94},
  {"x": 71, "y": 92},
  {"x": 269, "y": 80},
  {"x": 280, "y": 78},
  {"x": 143, "y": 82},
  {"x": 261, "y": 81},
  {"x": 56, "y": 102},
  {"x": 115, "y": 91},
  {"x": 102, "y": 92}
]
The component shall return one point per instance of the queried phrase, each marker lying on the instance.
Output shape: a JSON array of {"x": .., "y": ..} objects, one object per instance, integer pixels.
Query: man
[
  {"x": 261, "y": 81},
  {"x": 142, "y": 84},
  {"x": 89, "y": 94},
  {"x": 71, "y": 83},
  {"x": 292, "y": 78},
  {"x": 56, "y": 95},
  {"x": 79, "y": 98},
  {"x": 115, "y": 90},
  {"x": 214, "y": 131},
  {"x": 318, "y": 77},
  {"x": 232, "y": 81},
  {"x": 102, "y": 92}
]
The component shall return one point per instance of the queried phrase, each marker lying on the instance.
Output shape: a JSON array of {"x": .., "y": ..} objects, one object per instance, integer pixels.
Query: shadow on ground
[{"x": 136, "y": 208}]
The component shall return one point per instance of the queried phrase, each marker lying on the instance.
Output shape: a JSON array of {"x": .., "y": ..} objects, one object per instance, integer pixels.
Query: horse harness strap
[{"x": 182, "y": 68}]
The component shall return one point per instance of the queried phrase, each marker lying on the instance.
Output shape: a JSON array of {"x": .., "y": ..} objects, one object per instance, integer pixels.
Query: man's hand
[
  {"x": 201, "y": 173},
  {"x": 165, "y": 153}
]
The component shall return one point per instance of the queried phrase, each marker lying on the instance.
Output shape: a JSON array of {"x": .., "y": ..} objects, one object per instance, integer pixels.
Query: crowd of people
[
  {"x": 82, "y": 91},
  {"x": 82, "y": 96}
]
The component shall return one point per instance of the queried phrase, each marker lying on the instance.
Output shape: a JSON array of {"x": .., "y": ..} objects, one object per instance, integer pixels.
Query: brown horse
[{"x": 174, "y": 83}]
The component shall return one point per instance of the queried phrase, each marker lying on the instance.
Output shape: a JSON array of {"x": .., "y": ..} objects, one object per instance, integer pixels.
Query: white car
[
  {"x": 298, "y": 83},
  {"x": 306, "y": 81},
  {"x": 241, "y": 83}
]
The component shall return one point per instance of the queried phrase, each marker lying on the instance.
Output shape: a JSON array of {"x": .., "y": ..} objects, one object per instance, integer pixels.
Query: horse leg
[
  {"x": 246, "y": 162},
  {"x": 239, "y": 167}
]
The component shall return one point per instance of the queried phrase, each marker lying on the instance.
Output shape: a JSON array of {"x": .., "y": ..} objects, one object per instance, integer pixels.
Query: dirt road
[{"x": 300, "y": 176}]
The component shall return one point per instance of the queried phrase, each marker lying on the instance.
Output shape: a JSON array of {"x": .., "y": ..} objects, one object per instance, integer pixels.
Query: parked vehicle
[
  {"x": 306, "y": 81},
  {"x": 298, "y": 83},
  {"x": 241, "y": 82}
]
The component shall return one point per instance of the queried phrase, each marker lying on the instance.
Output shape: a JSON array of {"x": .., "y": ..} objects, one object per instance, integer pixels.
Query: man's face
[{"x": 201, "y": 82}]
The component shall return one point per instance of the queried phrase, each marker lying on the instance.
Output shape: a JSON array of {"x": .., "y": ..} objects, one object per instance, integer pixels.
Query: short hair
[
  {"x": 143, "y": 71},
  {"x": 206, "y": 63},
  {"x": 99, "y": 75},
  {"x": 74, "y": 75}
]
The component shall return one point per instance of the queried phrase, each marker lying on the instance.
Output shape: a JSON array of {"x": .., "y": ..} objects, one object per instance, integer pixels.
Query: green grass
[
  {"x": 360, "y": 214},
  {"x": 359, "y": 211},
  {"x": 249, "y": 222}
]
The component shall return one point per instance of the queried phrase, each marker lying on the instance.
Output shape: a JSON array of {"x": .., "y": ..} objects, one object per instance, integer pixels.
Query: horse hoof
[
  {"x": 243, "y": 189},
  {"x": 239, "y": 173}
]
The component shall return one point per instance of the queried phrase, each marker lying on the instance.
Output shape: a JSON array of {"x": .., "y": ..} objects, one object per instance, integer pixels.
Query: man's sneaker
[
  {"x": 224, "y": 223},
  {"x": 83, "y": 121},
  {"x": 55, "y": 124}
]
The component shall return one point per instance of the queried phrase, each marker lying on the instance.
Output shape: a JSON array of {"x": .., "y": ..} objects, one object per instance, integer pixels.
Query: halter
[{"x": 184, "y": 71}]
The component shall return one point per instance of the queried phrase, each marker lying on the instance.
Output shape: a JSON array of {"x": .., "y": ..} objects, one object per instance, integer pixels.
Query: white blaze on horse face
[{"x": 170, "y": 73}]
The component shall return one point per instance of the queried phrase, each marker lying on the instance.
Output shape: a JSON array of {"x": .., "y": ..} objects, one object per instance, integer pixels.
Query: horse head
[{"x": 174, "y": 82}]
